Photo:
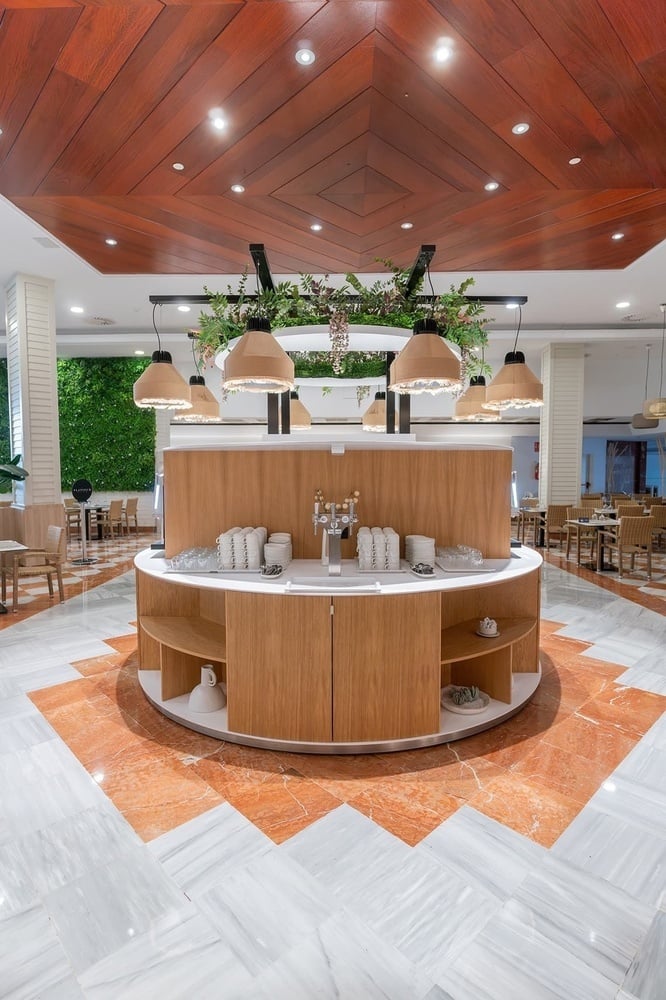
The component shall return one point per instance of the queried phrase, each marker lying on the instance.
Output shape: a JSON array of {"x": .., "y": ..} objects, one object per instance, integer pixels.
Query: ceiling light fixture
[
  {"x": 622, "y": 305},
  {"x": 217, "y": 119},
  {"x": 491, "y": 186},
  {"x": 139, "y": 354},
  {"x": 237, "y": 188},
  {"x": 444, "y": 50},
  {"x": 299, "y": 415},
  {"x": 374, "y": 418},
  {"x": 656, "y": 408},
  {"x": 470, "y": 406},
  {"x": 520, "y": 128},
  {"x": 161, "y": 387},
  {"x": 426, "y": 363},
  {"x": 178, "y": 166},
  {"x": 76, "y": 309},
  {"x": 639, "y": 421},
  {"x": 305, "y": 57},
  {"x": 514, "y": 387},
  {"x": 110, "y": 242},
  {"x": 575, "y": 160},
  {"x": 617, "y": 236},
  {"x": 316, "y": 227},
  {"x": 406, "y": 225},
  {"x": 183, "y": 309},
  {"x": 205, "y": 409},
  {"x": 257, "y": 363}
]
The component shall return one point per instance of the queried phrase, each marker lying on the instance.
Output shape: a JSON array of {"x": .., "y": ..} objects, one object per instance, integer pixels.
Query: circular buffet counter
[{"x": 349, "y": 664}]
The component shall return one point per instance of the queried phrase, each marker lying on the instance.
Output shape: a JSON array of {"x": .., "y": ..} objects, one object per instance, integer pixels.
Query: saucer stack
[
  {"x": 419, "y": 549},
  {"x": 241, "y": 548},
  {"x": 378, "y": 549},
  {"x": 277, "y": 550}
]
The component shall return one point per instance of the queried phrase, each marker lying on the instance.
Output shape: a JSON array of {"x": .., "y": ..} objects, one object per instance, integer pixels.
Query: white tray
[{"x": 487, "y": 566}]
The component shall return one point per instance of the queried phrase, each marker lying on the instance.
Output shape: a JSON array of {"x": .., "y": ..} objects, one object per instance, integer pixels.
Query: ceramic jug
[{"x": 207, "y": 696}]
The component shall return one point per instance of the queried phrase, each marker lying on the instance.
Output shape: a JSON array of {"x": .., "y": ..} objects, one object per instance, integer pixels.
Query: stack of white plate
[
  {"x": 419, "y": 549},
  {"x": 278, "y": 550}
]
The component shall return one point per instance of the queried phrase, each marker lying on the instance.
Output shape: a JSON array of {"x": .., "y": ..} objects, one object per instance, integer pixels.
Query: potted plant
[{"x": 10, "y": 473}]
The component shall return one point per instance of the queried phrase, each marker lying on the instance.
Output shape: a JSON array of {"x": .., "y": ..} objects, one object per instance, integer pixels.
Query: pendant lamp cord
[
  {"x": 518, "y": 325},
  {"x": 159, "y": 342},
  {"x": 197, "y": 364},
  {"x": 663, "y": 333},
  {"x": 647, "y": 370}
]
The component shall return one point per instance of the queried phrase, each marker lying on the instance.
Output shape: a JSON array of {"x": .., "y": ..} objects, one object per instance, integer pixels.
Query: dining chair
[
  {"x": 130, "y": 515},
  {"x": 633, "y": 538},
  {"x": 112, "y": 519},
  {"x": 582, "y": 534},
  {"x": 72, "y": 519},
  {"x": 556, "y": 516},
  {"x": 629, "y": 510},
  {"x": 658, "y": 515},
  {"x": 37, "y": 562}
]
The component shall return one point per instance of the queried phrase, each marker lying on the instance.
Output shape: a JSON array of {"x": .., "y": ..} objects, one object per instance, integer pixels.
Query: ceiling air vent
[
  {"x": 633, "y": 318},
  {"x": 101, "y": 321},
  {"x": 46, "y": 242}
]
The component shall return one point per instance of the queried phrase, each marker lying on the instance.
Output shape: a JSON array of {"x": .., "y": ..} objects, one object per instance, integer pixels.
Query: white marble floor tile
[
  {"x": 33, "y": 963},
  {"x": 511, "y": 959},
  {"x": 642, "y": 807},
  {"x": 645, "y": 767},
  {"x": 643, "y": 680},
  {"x": 99, "y": 912},
  {"x": 181, "y": 957},
  {"x": 208, "y": 848},
  {"x": 646, "y": 979},
  {"x": 342, "y": 960},
  {"x": 26, "y": 732},
  {"x": 266, "y": 908},
  {"x": 493, "y": 857}
]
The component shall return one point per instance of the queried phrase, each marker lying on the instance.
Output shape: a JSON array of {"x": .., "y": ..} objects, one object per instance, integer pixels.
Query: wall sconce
[{"x": 257, "y": 363}]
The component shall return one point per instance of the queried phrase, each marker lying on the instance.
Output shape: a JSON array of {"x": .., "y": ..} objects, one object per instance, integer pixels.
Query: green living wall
[{"x": 104, "y": 437}]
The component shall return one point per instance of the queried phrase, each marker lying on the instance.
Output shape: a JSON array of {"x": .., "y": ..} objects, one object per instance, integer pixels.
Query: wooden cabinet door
[
  {"x": 279, "y": 666},
  {"x": 386, "y": 666}
]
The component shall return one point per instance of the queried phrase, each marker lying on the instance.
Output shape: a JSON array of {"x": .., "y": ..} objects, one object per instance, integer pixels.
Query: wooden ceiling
[{"x": 98, "y": 101}]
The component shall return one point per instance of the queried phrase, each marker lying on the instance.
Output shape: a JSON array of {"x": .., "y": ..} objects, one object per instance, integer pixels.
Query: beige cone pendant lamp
[
  {"x": 257, "y": 363},
  {"x": 655, "y": 409},
  {"x": 299, "y": 415},
  {"x": 470, "y": 406},
  {"x": 374, "y": 418},
  {"x": 514, "y": 387},
  {"x": 161, "y": 387},
  {"x": 426, "y": 363},
  {"x": 205, "y": 408}
]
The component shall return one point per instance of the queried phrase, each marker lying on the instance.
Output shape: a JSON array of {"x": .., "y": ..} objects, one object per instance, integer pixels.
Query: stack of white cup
[
  {"x": 419, "y": 549},
  {"x": 378, "y": 549},
  {"x": 241, "y": 548},
  {"x": 277, "y": 550}
]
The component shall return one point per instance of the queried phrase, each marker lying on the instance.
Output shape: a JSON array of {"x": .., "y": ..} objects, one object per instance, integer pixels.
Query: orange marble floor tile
[
  {"x": 99, "y": 664},
  {"x": 342, "y": 776},
  {"x": 402, "y": 818},
  {"x": 629, "y": 710},
  {"x": 526, "y": 807},
  {"x": 593, "y": 741},
  {"x": 123, "y": 643},
  {"x": 551, "y": 767}
]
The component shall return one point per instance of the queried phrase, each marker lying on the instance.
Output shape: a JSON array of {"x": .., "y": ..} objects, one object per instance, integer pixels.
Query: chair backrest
[
  {"x": 115, "y": 510},
  {"x": 573, "y": 513},
  {"x": 131, "y": 505},
  {"x": 556, "y": 515},
  {"x": 636, "y": 530},
  {"x": 654, "y": 502},
  {"x": 54, "y": 539},
  {"x": 71, "y": 503},
  {"x": 629, "y": 510},
  {"x": 587, "y": 497},
  {"x": 590, "y": 502},
  {"x": 531, "y": 502},
  {"x": 658, "y": 515}
]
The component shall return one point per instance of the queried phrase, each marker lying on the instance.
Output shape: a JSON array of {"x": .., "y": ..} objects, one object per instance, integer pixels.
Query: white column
[
  {"x": 561, "y": 437},
  {"x": 33, "y": 404}
]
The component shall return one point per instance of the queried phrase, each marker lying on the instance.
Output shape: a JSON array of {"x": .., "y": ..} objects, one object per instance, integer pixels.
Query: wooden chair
[
  {"x": 72, "y": 519},
  {"x": 632, "y": 538},
  {"x": 556, "y": 516},
  {"x": 581, "y": 533},
  {"x": 130, "y": 515},
  {"x": 658, "y": 515},
  {"x": 654, "y": 502},
  {"x": 37, "y": 562},
  {"x": 629, "y": 510},
  {"x": 112, "y": 519}
]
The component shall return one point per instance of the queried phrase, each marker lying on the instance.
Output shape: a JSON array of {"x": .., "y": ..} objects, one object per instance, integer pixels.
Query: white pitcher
[{"x": 207, "y": 696}]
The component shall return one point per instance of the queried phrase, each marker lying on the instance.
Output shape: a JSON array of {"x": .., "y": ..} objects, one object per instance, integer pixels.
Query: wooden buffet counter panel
[{"x": 486, "y": 662}]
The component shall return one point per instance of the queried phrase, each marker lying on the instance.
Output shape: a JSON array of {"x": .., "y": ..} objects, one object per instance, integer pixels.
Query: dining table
[
  {"x": 598, "y": 522},
  {"x": 9, "y": 545}
]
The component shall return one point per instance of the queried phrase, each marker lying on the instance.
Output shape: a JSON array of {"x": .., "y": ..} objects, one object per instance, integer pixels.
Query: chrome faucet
[{"x": 335, "y": 518}]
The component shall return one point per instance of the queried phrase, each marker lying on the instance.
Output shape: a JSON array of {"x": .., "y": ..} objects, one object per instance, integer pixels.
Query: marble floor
[{"x": 140, "y": 860}]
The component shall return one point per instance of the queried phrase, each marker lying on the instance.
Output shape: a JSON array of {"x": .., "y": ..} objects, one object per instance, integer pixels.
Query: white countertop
[{"x": 314, "y": 578}]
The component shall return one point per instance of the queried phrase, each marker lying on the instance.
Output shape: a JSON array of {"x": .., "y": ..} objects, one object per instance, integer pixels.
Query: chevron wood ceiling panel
[{"x": 99, "y": 100}]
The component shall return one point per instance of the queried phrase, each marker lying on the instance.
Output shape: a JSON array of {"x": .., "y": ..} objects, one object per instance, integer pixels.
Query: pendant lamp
[
  {"x": 514, "y": 387},
  {"x": 638, "y": 421},
  {"x": 257, "y": 363},
  {"x": 161, "y": 387},
  {"x": 374, "y": 418},
  {"x": 426, "y": 363},
  {"x": 656, "y": 408},
  {"x": 205, "y": 408},
  {"x": 470, "y": 405},
  {"x": 299, "y": 415}
]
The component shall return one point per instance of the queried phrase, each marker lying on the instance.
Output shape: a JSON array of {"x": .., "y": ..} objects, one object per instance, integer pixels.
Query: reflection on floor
[{"x": 138, "y": 859}]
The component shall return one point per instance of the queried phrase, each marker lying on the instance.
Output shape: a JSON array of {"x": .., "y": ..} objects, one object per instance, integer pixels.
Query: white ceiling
[{"x": 562, "y": 305}]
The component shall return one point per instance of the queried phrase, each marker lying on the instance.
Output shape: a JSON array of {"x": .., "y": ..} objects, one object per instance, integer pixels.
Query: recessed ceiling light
[
  {"x": 0, "y": 131},
  {"x": 520, "y": 128},
  {"x": 406, "y": 225},
  {"x": 575, "y": 160},
  {"x": 110, "y": 242},
  {"x": 178, "y": 166},
  {"x": 237, "y": 188},
  {"x": 491, "y": 186},
  {"x": 305, "y": 57},
  {"x": 617, "y": 236},
  {"x": 444, "y": 50},
  {"x": 511, "y": 305},
  {"x": 218, "y": 123},
  {"x": 139, "y": 353},
  {"x": 76, "y": 309},
  {"x": 622, "y": 305},
  {"x": 183, "y": 309},
  {"x": 316, "y": 227}
]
